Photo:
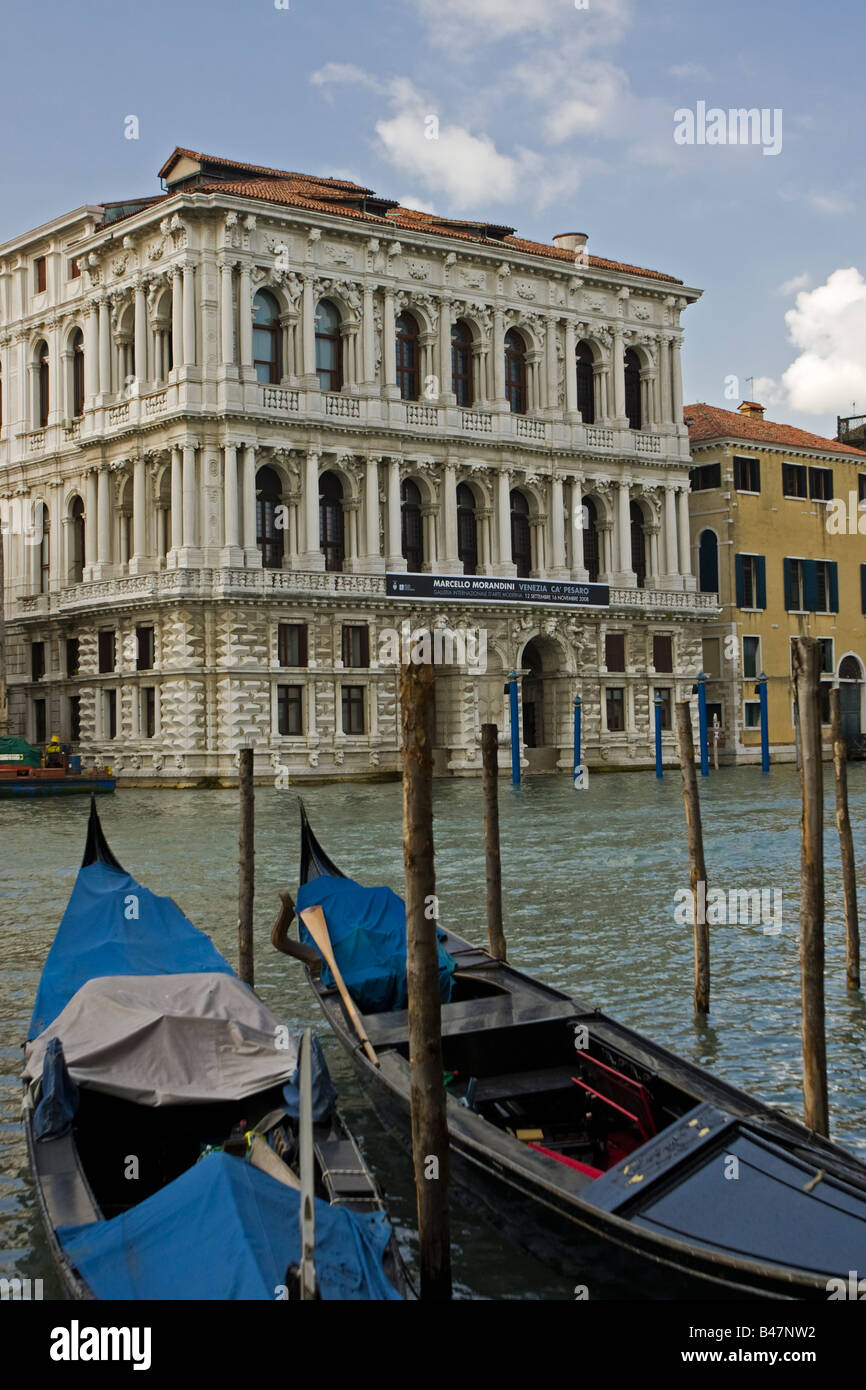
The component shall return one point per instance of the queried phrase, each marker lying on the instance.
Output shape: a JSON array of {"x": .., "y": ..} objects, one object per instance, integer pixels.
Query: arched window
[
  {"x": 44, "y": 384},
  {"x": 77, "y": 374},
  {"x": 329, "y": 349},
  {"x": 708, "y": 562},
  {"x": 407, "y": 357},
  {"x": 467, "y": 531},
  {"x": 638, "y": 544},
  {"x": 45, "y": 552},
  {"x": 590, "y": 539},
  {"x": 410, "y": 526},
  {"x": 521, "y": 545},
  {"x": 849, "y": 669},
  {"x": 266, "y": 337},
  {"x": 461, "y": 363},
  {"x": 331, "y": 521},
  {"x": 515, "y": 371},
  {"x": 76, "y": 541},
  {"x": 585, "y": 388},
  {"x": 269, "y": 538},
  {"x": 632, "y": 389}
]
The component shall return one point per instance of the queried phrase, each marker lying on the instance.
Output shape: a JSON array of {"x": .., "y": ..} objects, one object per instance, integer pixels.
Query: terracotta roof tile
[
  {"x": 254, "y": 169},
  {"x": 709, "y": 422}
]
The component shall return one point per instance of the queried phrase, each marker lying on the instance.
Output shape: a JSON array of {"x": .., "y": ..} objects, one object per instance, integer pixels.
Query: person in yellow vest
[{"x": 54, "y": 753}]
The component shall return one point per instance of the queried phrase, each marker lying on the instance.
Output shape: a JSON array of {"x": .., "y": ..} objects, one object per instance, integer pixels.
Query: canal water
[{"x": 589, "y": 884}]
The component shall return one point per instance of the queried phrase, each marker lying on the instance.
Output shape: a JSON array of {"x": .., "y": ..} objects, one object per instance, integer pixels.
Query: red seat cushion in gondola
[
  {"x": 623, "y": 1092},
  {"x": 569, "y": 1162}
]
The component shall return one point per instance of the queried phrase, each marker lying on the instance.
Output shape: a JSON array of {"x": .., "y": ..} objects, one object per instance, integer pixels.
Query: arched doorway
[
  {"x": 708, "y": 562},
  {"x": 850, "y": 700},
  {"x": 543, "y": 687}
]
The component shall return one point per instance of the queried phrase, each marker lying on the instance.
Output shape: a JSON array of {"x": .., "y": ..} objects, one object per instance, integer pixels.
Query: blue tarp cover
[
  {"x": 225, "y": 1230},
  {"x": 367, "y": 927},
  {"x": 114, "y": 926}
]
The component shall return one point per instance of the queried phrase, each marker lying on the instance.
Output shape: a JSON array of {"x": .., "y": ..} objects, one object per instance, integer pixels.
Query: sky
[{"x": 547, "y": 115}]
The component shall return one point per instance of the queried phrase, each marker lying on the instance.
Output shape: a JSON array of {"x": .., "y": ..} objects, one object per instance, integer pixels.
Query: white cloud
[
  {"x": 462, "y": 25},
  {"x": 767, "y": 391},
  {"x": 409, "y": 201},
  {"x": 797, "y": 282},
  {"x": 828, "y": 324},
  {"x": 830, "y": 204},
  {"x": 340, "y": 74},
  {"x": 690, "y": 72}
]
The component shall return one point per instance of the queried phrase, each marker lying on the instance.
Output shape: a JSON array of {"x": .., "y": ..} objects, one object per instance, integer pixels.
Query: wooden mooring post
[
  {"x": 490, "y": 785},
  {"x": 246, "y": 867},
  {"x": 846, "y": 844},
  {"x": 807, "y": 667},
  {"x": 429, "y": 1125},
  {"x": 697, "y": 867}
]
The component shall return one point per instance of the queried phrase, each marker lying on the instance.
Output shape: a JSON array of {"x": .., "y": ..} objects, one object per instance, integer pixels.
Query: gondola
[
  {"x": 171, "y": 1143},
  {"x": 624, "y": 1167}
]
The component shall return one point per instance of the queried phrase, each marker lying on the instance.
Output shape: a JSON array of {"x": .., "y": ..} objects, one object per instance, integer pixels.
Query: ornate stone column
[
  {"x": 558, "y": 568},
  {"x": 677, "y": 382},
  {"x": 313, "y": 557},
  {"x": 396, "y": 561},
  {"x": 429, "y": 516},
  {"x": 140, "y": 332},
  {"x": 310, "y": 380},
  {"x": 245, "y": 322},
  {"x": 188, "y": 314},
  {"x": 232, "y": 555},
  {"x": 672, "y": 566},
  {"x": 368, "y": 331},
  {"x": 252, "y": 554},
  {"x": 619, "y": 414},
  {"x": 570, "y": 368},
  {"x": 551, "y": 369},
  {"x": 446, "y": 382},
  {"x": 507, "y": 567},
  {"x": 103, "y": 528},
  {"x": 450, "y": 563},
  {"x": 371, "y": 561},
  {"x": 500, "y": 401},
  {"x": 190, "y": 554},
  {"x": 666, "y": 407},
  {"x": 176, "y": 317},
  {"x": 683, "y": 535},
  {"x": 606, "y": 569},
  {"x": 578, "y": 561},
  {"x": 141, "y": 560},
  {"x": 389, "y": 348},
  {"x": 172, "y": 560},
  {"x": 91, "y": 354},
  {"x": 104, "y": 345},
  {"x": 625, "y": 573},
  {"x": 227, "y": 316}
]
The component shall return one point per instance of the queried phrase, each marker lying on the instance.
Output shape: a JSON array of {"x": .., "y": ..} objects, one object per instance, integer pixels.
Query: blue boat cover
[
  {"x": 225, "y": 1230},
  {"x": 114, "y": 926},
  {"x": 59, "y": 1104},
  {"x": 367, "y": 927}
]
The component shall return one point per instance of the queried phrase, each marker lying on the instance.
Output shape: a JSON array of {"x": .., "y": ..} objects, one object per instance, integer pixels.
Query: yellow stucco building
[{"x": 778, "y": 531}]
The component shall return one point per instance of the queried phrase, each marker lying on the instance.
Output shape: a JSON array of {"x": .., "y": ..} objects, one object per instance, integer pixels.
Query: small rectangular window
[
  {"x": 40, "y": 274},
  {"x": 615, "y": 708},
  {"x": 663, "y": 653},
  {"x": 706, "y": 475},
  {"x": 664, "y": 693},
  {"x": 794, "y": 479},
  {"x": 148, "y": 711},
  {"x": 37, "y": 660},
  {"x": 711, "y": 657},
  {"x": 106, "y": 651},
  {"x": 356, "y": 645},
  {"x": 794, "y": 598},
  {"x": 751, "y": 656},
  {"x": 749, "y": 585},
  {"x": 821, "y": 484},
  {"x": 111, "y": 713},
  {"x": 827, "y": 665},
  {"x": 72, "y": 656},
  {"x": 752, "y": 714},
  {"x": 74, "y": 269},
  {"x": 353, "y": 709},
  {"x": 144, "y": 648},
  {"x": 290, "y": 709},
  {"x": 75, "y": 718},
  {"x": 747, "y": 475},
  {"x": 292, "y": 644},
  {"x": 614, "y": 651}
]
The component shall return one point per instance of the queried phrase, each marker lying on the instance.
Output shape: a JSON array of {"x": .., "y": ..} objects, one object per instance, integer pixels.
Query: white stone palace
[{"x": 230, "y": 408}]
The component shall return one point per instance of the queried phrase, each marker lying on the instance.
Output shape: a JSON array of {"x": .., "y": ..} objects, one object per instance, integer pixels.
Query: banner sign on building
[{"x": 487, "y": 588}]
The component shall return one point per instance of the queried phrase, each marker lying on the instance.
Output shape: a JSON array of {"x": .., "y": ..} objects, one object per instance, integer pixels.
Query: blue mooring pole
[
  {"x": 702, "y": 724},
  {"x": 577, "y": 703},
  {"x": 658, "y": 704},
  {"x": 765, "y": 724},
  {"x": 515, "y": 730}
]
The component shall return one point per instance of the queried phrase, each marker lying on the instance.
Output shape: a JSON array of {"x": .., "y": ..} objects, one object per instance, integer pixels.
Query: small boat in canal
[
  {"x": 182, "y": 1143},
  {"x": 26, "y": 773},
  {"x": 605, "y": 1155}
]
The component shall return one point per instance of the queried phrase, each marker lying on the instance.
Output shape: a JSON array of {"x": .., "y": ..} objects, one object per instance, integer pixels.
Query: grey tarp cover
[{"x": 169, "y": 1039}]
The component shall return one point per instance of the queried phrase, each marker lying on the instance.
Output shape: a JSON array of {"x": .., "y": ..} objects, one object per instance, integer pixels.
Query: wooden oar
[
  {"x": 283, "y": 942},
  {"x": 313, "y": 919},
  {"x": 308, "y": 1172}
]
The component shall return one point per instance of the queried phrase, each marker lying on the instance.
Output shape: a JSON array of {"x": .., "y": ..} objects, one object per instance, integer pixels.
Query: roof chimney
[
  {"x": 571, "y": 241},
  {"x": 752, "y": 409}
]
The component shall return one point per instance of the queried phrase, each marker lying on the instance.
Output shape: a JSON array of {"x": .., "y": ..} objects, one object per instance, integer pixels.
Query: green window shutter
[
  {"x": 741, "y": 587},
  {"x": 760, "y": 581},
  {"x": 833, "y": 573},
  {"x": 790, "y": 598},
  {"x": 810, "y": 586}
]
